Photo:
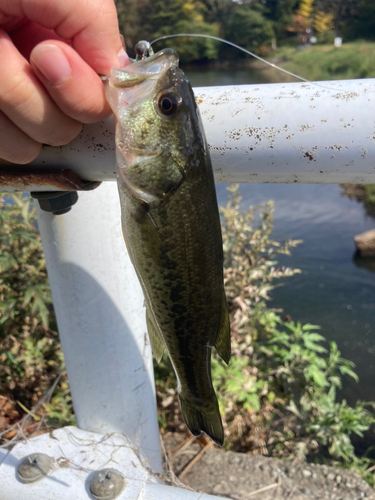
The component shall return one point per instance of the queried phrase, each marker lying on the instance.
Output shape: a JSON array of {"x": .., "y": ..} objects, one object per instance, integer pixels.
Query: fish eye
[{"x": 168, "y": 103}]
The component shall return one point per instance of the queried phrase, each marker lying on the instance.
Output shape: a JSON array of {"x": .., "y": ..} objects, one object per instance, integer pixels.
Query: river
[{"x": 333, "y": 291}]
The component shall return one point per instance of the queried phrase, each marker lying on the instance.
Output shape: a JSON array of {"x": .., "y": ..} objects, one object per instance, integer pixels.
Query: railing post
[{"x": 101, "y": 321}]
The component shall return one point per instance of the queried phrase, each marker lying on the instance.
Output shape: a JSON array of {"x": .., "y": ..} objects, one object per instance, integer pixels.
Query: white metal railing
[
  {"x": 291, "y": 132},
  {"x": 296, "y": 132}
]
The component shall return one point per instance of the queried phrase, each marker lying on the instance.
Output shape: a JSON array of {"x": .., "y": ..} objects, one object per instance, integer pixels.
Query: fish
[{"x": 171, "y": 226}]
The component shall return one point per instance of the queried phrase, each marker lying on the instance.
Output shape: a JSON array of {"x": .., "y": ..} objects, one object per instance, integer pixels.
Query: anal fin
[
  {"x": 222, "y": 344},
  {"x": 156, "y": 340}
]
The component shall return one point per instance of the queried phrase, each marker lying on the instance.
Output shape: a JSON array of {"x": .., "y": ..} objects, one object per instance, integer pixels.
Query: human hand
[{"x": 51, "y": 55}]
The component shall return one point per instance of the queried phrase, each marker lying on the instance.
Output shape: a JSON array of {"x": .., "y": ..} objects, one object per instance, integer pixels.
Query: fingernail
[
  {"x": 123, "y": 58},
  {"x": 51, "y": 62}
]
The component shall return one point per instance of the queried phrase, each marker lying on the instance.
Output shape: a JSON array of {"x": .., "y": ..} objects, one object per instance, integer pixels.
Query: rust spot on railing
[{"x": 27, "y": 179}]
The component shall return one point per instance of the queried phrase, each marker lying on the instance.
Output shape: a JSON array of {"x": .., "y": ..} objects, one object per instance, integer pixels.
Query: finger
[
  {"x": 27, "y": 104},
  {"x": 71, "y": 82},
  {"x": 27, "y": 36},
  {"x": 91, "y": 25},
  {"x": 15, "y": 145}
]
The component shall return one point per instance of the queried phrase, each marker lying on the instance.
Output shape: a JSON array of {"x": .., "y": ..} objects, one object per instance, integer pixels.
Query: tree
[
  {"x": 249, "y": 28},
  {"x": 134, "y": 21},
  {"x": 280, "y": 13},
  {"x": 302, "y": 19},
  {"x": 219, "y": 11},
  {"x": 305, "y": 9},
  {"x": 342, "y": 10},
  {"x": 323, "y": 21},
  {"x": 168, "y": 17},
  {"x": 146, "y": 20},
  {"x": 363, "y": 20}
]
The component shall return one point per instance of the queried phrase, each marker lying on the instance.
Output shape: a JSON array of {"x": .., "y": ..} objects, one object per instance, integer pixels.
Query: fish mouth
[{"x": 151, "y": 68}]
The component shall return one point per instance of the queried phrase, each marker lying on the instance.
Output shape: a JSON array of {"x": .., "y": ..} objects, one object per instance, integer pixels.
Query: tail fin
[{"x": 206, "y": 419}]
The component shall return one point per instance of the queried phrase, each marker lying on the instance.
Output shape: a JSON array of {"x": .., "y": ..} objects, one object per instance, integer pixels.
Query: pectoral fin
[
  {"x": 139, "y": 176},
  {"x": 156, "y": 340},
  {"x": 222, "y": 344}
]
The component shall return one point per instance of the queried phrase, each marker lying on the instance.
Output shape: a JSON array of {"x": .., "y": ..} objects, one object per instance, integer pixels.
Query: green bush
[
  {"x": 326, "y": 37},
  {"x": 30, "y": 352},
  {"x": 370, "y": 194}
]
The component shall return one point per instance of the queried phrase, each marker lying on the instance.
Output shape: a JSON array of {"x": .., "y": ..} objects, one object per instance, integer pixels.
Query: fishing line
[
  {"x": 253, "y": 55},
  {"x": 236, "y": 47}
]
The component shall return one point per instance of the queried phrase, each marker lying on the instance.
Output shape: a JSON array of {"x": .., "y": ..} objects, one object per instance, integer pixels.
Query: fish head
[{"x": 157, "y": 119}]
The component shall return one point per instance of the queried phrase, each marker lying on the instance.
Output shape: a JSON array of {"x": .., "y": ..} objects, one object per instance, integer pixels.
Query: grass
[{"x": 326, "y": 62}]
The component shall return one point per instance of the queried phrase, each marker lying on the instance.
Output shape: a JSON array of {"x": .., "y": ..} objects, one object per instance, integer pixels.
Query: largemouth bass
[{"x": 171, "y": 226}]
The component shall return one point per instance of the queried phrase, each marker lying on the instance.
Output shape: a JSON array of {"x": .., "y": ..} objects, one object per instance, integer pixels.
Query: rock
[
  {"x": 222, "y": 488},
  {"x": 365, "y": 243}
]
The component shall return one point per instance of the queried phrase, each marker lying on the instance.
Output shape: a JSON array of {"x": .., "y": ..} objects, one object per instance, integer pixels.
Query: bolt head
[
  {"x": 107, "y": 484},
  {"x": 59, "y": 202},
  {"x": 34, "y": 467}
]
